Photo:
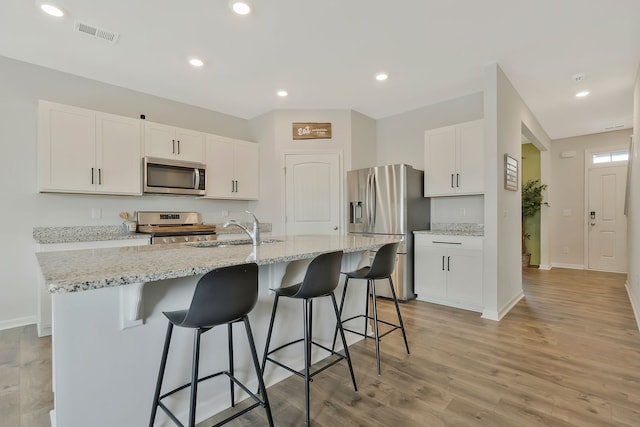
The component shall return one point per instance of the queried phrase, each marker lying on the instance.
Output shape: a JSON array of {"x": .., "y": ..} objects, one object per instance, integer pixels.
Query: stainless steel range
[{"x": 174, "y": 227}]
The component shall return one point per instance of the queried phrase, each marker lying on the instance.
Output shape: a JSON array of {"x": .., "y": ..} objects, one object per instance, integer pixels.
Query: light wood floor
[{"x": 567, "y": 355}]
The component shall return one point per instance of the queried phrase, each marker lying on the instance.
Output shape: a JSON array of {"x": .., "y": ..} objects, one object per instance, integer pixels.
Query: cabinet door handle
[
  {"x": 457, "y": 180},
  {"x": 173, "y": 146},
  {"x": 233, "y": 186},
  {"x": 448, "y": 263},
  {"x": 451, "y": 180},
  {"x": 99, "y": 176},
  {"x": 91, "y": 176},
  {"x": 446, "y": 243},
  {"x": 178, "y": 147},
  {"x": 236, "y": 186},
  {"x": 442, "y": 262}
]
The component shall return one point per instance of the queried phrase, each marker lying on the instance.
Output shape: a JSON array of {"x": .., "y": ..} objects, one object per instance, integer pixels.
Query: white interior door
[
  {"x": 607, "y": 224},
  {"x": 312, "y": 193}
]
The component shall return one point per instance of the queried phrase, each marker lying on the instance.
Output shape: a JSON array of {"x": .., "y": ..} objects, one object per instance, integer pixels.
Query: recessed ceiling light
[
  {"x": 582, "y": 94},
  {"x": 282, "y": 93},
  {"x": 382, "y": 77},
  {"x": 52, "y": 10},
  {"x": 241, "y": 7},
  {"x": 196, "y": 62}
]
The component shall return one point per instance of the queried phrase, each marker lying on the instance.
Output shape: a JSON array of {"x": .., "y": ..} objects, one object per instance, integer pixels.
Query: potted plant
[{"x": 531, "y": 202}]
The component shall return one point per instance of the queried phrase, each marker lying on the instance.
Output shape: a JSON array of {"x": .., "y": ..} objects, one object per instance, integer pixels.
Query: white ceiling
[{"x": 325, "y": 53}]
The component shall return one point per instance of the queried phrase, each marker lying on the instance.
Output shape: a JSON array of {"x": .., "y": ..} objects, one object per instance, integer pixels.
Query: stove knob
[
  {"x": 199, "y": 238},
  {"x": 173, "y": 240},
  {"x": 164, "y": 240},
  {"x": 186, "y": 238}
]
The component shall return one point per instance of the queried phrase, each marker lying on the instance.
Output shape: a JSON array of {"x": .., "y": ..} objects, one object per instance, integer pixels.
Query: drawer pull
[{"x": 447, "y": 243}]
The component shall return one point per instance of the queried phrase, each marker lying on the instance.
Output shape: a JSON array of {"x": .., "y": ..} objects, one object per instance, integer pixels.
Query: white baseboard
[
  {"x": 571, "y": 266},
  {"x": 635, "y": 304},
  {"x": 544, "y": 267},
  {"x": 17, "y": 322},
  {"x": 498, "y": 315}
]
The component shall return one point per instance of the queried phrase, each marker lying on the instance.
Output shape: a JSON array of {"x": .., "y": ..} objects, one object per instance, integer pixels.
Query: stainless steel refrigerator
[{"x": 388, "y": 200}]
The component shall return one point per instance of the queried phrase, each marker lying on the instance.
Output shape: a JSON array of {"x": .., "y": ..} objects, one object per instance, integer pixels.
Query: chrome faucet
[{"x": 254, "y": 234}]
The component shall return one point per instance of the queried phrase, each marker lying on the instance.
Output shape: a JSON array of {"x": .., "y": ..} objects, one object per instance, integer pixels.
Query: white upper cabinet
[
  {"x": 169, "y": 142},
  {"x": 84, "y": 151},
  {"x": 454, "y": 160},
  {"x": 232, "y": 168}
]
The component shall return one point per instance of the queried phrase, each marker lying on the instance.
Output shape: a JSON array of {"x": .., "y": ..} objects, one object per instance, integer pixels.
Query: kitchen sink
[{"x": 227, "y": 243}]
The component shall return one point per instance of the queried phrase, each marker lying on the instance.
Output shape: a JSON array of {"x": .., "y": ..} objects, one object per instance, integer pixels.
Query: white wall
[
  {"x": 401, "y": 137},
  {"x": 505, "y": 114},
  {"x": 633, "y": 217},
  {"x": 274, "y": 133},
  {"x": 22, "y": 208},
  {"x": 363, "y": 141},
  {"x": 568, "y": 211}
]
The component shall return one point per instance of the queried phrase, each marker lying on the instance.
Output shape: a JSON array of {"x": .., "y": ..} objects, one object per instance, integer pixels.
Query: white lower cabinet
[
  {"x": 44, "y": 297},
  {"x": 448, "y": 270}
]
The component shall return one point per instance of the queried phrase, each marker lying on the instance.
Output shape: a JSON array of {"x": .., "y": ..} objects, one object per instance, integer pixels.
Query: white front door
[
  {"x": 606, "y": 222},
  {"x": 312, "y": 193}
]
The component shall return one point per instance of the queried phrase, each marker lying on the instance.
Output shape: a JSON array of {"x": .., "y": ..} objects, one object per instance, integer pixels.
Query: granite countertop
[
  {"x": 81, "y": 270},
  {"x": 93, "y": 233},
  {"x": 451, "y": 232},
  {"x": 454, "y": 229}
]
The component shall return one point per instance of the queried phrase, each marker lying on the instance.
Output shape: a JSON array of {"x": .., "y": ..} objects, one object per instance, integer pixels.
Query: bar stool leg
[
  {"x": 344, "y": 341},
  {"x": 163, "y": 364},
  {"x": 231, "y": 385},
  {"x": 271, "y": 322},
  {"x": 307, "y": 358},
  {"x": 344, "y": 294},
  {"x": 375, "y": 323},
  {"x": 256, "y": 365},
  {"x": 395, "y": 301},
  {"x": 194, "y": 377},
  {"x": 366, "y": 309}
]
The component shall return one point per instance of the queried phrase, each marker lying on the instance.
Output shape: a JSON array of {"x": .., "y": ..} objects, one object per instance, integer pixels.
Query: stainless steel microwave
[{"x": 164, "y": 176}]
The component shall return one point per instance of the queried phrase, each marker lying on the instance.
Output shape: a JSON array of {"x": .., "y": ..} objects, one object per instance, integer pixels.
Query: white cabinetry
[
  {"x": 232, "y": 168},
  {"x": 85, "y": 151},
  {"x": 44, "y": 297},
  {"x": 448, "y": 270},
  {"x": 170, "y": 142},
  {"x": 454, "y": 160}
]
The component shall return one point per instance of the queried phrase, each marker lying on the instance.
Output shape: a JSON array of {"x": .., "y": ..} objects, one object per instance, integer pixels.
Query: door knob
[{"x": 335, "y": 228}]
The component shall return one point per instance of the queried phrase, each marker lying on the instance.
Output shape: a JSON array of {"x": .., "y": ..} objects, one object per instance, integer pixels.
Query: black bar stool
[
  {"x": 222, "y": 296},
  {"x": 381, "y": 268},
  {"x": 320, "y": 280}
]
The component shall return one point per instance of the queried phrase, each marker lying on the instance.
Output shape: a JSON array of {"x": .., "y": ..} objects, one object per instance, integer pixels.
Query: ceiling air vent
[{"x": 99, "y": 33}]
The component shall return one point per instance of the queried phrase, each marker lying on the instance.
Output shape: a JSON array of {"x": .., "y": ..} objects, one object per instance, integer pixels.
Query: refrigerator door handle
[{"x": 373, "y": 201}]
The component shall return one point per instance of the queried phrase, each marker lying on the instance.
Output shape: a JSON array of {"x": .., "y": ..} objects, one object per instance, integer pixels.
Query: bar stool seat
[
  {"x": 381, "y": 268},
  {"x": 320, "y": 280},
  {"x": 222, "y": 296}
]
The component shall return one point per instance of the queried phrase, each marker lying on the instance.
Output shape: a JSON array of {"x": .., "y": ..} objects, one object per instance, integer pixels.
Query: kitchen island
[{"x": 108, "y": 326}]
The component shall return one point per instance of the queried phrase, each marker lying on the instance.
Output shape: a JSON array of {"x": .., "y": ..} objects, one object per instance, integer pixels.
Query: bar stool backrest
[
  {"x": 322, "y": 276},
  {"x": 223, "y": 295},
  {"x": 384, "y": 262}
]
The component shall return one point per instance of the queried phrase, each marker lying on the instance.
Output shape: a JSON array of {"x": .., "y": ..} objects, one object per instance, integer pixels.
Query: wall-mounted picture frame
[
  {"x": 510, "y": 173},
  {"x": 311, "y": 130}
]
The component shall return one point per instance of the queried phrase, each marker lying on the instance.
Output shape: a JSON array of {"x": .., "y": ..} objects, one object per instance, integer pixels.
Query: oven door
[{"x": 164, "y": 176}]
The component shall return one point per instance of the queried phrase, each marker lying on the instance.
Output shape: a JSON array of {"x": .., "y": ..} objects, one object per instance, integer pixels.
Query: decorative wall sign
[
  {"x": 311, "y": 130},
  {"x": 510, "y": 173}
]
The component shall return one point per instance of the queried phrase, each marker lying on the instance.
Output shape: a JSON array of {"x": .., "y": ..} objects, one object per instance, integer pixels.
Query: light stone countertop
[
  {"x": 451, "y": 232},
  {"x": 90, "y": 233},
  {"x": 94, "y": 233},
  {"x": 81, "y": 270},
  {"x": 454, "y": 229}
]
